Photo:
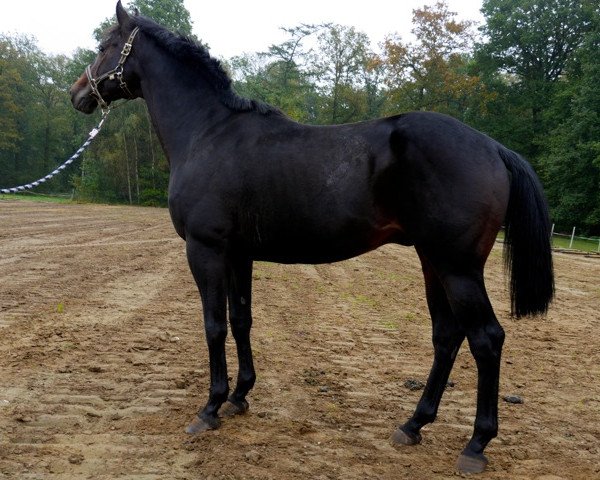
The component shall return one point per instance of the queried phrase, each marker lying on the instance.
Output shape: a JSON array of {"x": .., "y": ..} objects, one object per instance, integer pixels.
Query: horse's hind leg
[
  {"x": 240, "y": 319},
  {"x": 471, "y": 306},
  {"x": 447, "y": 338}
]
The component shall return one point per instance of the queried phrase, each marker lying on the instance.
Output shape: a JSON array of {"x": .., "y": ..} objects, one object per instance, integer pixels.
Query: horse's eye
[{"x": 101, "y": 49}]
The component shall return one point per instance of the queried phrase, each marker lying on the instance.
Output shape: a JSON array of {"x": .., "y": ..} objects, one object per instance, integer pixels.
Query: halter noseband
[{"x": 116, "y": 72}]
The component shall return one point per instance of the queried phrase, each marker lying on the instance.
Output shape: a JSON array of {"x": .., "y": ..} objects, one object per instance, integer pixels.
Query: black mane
[{"x": 193, "y": 53}]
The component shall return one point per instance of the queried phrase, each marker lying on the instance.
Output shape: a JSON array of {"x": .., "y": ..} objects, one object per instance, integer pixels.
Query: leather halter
[{"x": 116, "y": 72}]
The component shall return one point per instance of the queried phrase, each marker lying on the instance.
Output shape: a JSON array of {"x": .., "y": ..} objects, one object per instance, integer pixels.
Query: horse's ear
[{"x": 122, "y": 16}]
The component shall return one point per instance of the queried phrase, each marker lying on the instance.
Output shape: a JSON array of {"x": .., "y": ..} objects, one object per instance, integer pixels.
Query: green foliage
[
  {"x": 529, "y": 44},
  {"x": 281, "y": 76},
  {"x": 10, "y": 79},
  {"x": 37, "y": 120},
  {"x": 573, "y": 156},
  {"x": 541, "y": 60},
  {"x": 341, "y": 70},
  {"x": 169, "y": 13},
  {"x": 124, "y": 164},
  {"x": 274, "y": 81},
  {"x": 533, "y": 39}
]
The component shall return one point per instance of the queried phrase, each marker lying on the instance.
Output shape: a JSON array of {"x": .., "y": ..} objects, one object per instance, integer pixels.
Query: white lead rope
[{"x": 59, "y": 169}]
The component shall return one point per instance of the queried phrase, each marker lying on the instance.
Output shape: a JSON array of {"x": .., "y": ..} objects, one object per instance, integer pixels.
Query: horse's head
[{"x": 111, "y": 76}]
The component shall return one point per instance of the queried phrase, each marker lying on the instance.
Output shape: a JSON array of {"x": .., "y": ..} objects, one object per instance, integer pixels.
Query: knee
[{"x": 216, "y": 333}]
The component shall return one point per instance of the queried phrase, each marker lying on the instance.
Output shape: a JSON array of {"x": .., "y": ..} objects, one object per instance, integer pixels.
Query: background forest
[{"x": 529, "y": 76}]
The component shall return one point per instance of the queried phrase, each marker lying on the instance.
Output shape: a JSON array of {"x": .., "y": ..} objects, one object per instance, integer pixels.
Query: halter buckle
[{"x": 126, "y": 49}]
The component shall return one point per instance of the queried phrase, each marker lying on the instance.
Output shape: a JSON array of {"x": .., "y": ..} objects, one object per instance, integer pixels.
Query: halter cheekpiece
[{"x": 115, "y": 73}]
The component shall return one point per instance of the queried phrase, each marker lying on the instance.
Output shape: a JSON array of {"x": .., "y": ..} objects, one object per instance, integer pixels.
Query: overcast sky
[{"x": 230, "y": 27}]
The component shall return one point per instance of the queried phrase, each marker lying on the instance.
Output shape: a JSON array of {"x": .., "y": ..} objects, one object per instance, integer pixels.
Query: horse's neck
[{"x": 181, "y": 103}]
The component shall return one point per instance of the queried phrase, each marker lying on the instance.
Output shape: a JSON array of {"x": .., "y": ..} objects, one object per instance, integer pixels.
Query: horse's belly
[
  {"x": 303, "y": 255},
  {"x": 324, "y": 246}
]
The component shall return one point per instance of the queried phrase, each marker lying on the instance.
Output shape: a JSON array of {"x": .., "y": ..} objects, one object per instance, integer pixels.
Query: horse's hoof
[
  {"x": 469, "y": 463},
  {"x": 400, "y": 437},
  {"x": 200, "y": 425},
  {"x": 229, "y": 408}
]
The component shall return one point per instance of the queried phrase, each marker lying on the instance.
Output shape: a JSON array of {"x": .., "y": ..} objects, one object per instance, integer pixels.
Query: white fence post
[
  {"x": 552, "y": 236},
  {"x": 572, "y": 237}
]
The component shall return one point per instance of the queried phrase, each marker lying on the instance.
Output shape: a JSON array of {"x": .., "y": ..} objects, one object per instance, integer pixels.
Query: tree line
[{"x": 528, "y": 77}]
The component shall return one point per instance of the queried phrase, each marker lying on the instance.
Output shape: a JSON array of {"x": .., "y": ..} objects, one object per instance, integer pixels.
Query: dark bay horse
[{"x": 248, "y": 183}]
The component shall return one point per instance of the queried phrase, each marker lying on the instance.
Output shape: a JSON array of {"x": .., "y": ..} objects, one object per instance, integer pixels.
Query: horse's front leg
[
  {"x": 240, "y": 318},
  {"x": 208, "y": 266}
]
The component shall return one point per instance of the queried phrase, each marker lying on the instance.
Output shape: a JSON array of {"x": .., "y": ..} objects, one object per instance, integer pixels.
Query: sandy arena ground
[{"x": 103, "y": 363}]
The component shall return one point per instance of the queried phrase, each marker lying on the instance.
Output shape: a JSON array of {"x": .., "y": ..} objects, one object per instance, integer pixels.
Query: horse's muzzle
[{"x": 80, "y": 96}]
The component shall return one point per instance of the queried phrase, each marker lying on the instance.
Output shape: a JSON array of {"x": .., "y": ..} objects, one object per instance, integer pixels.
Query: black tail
[{"x": 527, "y": 242}]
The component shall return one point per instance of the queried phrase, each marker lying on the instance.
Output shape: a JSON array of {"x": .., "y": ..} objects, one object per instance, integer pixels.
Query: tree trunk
[
  {"x": 151, "y": 143},
  {"x": 136, "y": 171},
  {"x": 127, "y": 166}
]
